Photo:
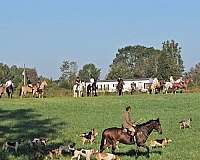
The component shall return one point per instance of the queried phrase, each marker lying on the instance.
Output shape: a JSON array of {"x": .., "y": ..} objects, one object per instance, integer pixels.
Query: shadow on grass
[
  {"x": 140, "y": 153},
  {"x": 25, "y": 124}
]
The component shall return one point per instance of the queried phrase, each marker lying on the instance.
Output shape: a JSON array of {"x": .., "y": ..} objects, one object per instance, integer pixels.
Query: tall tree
[
  {"x": 195, "y": 73},
  {"x": 89, "y": 70},
  {"x": 69, "y": 71},
  {"x": 134, "y": 62},
  {"x": 170, "y": 61}
]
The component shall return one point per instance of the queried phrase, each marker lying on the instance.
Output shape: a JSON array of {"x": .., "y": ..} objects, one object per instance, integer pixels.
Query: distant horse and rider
[
  {"x": 120, "y": 86},
  {"x": 34, "y": 89},
  {"x": 91, "y": 88},
  {"x": 7, "y": 88},
  {"x": 178, "y": 84},
  {"x": 171, "y": 86}
]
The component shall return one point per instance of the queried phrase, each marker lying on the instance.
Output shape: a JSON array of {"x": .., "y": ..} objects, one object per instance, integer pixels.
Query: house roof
[{"x": 138, "y": 79}]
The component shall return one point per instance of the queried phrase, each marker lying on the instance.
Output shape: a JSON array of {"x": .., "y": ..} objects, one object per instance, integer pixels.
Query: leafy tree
[
  {"x": 69, "y": 71},
  {"x": 195, "y": 74},
  {"x": 15, "y": 74},
  {"x": 170, "y": 61},
  {"x": 88, "y": 71},
  {"x": 139, "y": 61},
  {"x": 134, "y": 62}
]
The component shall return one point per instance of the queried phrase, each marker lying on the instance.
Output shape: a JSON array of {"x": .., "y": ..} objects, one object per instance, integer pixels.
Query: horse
[
  {"x": 176, "y": 86},
  {"x": 40, "y": 89},
  {"x": 111, "y": 136},
  {"x": 182, "y": 85},
  {"x": 27, "y": 89},
  {"x": 155, "y": 87},
  {"x": 120, "y": 86},
  {"x": 9, "y": 91},
  {"x": 78, "y": 89},
  {"x": 89, "y": 90},
  {"x": 94, "y": 88},
  {"x": 133, "y": 87},
  {"x": 2, "y": 90}
]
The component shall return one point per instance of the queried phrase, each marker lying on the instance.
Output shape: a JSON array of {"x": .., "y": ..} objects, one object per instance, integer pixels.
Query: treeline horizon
[{"x": 130, "y": 62}]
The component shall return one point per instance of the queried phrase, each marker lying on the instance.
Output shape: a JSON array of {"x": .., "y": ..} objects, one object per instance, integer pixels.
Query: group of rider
[
  {"x": 92, "y": 80},
  {"x": 10, "y": 84}
]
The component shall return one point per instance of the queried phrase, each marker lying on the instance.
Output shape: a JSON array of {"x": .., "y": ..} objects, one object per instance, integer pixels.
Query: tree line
[{"x": 130, "y": 62}]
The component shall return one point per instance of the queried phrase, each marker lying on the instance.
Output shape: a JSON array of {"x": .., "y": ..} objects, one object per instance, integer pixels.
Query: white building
[{"x": 110, "y": 85}]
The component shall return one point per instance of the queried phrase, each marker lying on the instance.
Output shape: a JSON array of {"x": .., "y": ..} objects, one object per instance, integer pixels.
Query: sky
[{"x": 43, "y": 33}]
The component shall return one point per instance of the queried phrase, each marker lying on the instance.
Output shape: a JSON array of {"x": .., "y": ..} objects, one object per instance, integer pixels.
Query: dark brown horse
[{"x": 111, "y": 136}]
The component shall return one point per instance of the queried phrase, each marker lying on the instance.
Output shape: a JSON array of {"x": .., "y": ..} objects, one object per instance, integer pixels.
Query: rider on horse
[
  {"x": 127, "y": 122},
  {"x": 29, "y": 83},
  {"x": 77, "y": 82},
  {"x": 9, "y": 84},
  {"x": 94, "y": 87}
]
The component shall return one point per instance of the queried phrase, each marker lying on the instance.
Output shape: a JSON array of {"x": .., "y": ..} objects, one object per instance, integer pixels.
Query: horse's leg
[{"x": 113, "y": 146}]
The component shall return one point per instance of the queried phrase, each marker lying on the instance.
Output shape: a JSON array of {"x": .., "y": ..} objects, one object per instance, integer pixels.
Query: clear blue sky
[{"x": 43, "y": 33}]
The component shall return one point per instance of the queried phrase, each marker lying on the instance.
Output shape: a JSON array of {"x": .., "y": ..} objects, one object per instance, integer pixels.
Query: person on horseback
[
  {"x": 94, "y": 87},
  {"x": 120, "y": 86},
  {"x": 127, "y": 121},
  {"x": 180, "y": 80},
  {"x": 9, "y": 84},
  {"x": 171, "y": 79},
  {"x": 29, "y": 83},
  {"x": 77, "y": 82}
]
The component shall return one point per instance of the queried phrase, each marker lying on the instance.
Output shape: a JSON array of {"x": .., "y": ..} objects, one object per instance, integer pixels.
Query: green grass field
[{"x": 63, "y": 119}]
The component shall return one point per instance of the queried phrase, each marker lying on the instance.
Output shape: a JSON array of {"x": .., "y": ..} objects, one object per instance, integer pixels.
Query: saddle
[{"x": 126, "y": 130}]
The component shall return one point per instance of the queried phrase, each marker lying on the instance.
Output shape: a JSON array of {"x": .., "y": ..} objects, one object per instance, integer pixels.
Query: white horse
[
  {"x": 167, "y": 86},
  {"x": 78, "y": 89}
]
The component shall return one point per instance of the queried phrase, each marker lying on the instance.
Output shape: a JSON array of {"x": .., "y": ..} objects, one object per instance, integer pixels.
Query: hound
[
  {"x": 106, "y": 156},
  {"x": 185, "y": 123},
  {"x": 13, "y": 145},
  {"x": 87, "y": 153},
  {"x": 89, "y": 136},
  {"x": 160, "y": 142}
]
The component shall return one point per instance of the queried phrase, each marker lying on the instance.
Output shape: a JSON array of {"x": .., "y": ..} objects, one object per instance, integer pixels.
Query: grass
[{"x": 63, "y": 119}]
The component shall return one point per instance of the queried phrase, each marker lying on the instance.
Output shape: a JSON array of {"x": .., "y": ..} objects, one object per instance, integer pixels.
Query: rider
[
  {"x": 77, "y": 82},
  {"x": 29, "y": 83},
  {"x": 93, "y": 81},
  {"x": 180, "y": 80},
  {"x": 9, "y": 84},
  {"x": 171, "y": 79},
  {"x": 127, "y": 122}
]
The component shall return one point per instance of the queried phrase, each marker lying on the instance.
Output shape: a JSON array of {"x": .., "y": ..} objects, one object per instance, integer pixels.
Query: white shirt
[
  {"x": 92, "y": 80},
  {"x": 8, "y": 83}
]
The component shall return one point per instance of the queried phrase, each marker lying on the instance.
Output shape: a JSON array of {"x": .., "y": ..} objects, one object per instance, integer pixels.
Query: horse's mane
[{"x": 145, "y": 123}]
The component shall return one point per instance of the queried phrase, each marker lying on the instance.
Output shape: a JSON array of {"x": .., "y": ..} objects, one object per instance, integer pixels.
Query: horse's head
[
  {"x": 157, "y": 126},
  {"x": 44, "y": 83}
]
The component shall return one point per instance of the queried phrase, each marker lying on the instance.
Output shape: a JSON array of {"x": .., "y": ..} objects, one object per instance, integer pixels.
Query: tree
[
  {"x": 32, "y": 75},
  {"x": 195, "y": 74},
  {"x": 15, "y": 74},
  {"x": 69, "y": 71},
  {"x": 134, "y": 62},
  {"x": 88, "y": 71},
  {"x": 170, "y": 61}
]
